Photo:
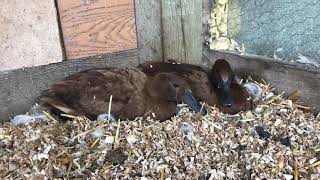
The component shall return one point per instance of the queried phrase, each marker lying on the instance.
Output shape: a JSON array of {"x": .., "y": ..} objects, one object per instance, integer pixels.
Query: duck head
[
  {"x": 222, "y": 77},
  {"x": 171, "y": 87}
]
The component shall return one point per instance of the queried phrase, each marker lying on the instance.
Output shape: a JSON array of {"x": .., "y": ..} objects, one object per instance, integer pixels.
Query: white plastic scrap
[
  {"x": 106, "y": 117},
  {"x": 109, "y": 140},
  {"x": 26, "y": 119},
  {"x": 279, "y": 54},
  {"x": 288, "y": 176},
  {"x": 98, "y": 132},
  {"x": 131, "y": 139},
  {"x": 305, "y": 60},
  {"x": 45, "y": 153},
  {"x": 187, "y": 130},
  {"x": 253, "y": 89},
  {"x": 269, "y": 95}
]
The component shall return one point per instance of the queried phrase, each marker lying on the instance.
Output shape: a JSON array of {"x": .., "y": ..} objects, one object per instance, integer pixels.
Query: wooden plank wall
[
  {"x": 182, "y": 28},
  {"x": 170, "y": 29},
  {"x": 92, "y": 27}
]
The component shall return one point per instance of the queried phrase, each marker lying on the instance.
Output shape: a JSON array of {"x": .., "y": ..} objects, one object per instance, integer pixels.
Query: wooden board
[
  {"x": 20, "y": 88},
  {"x": 148, "y": 22},
  {"x": 206, "y": 10},
  {"x": 182, "y": 28},
  {"x": 284, "y": 77},
  {"x": 29, "y": 34},
  {"x": 192, "y": 28},
  {"x": 92, "y": 27}
]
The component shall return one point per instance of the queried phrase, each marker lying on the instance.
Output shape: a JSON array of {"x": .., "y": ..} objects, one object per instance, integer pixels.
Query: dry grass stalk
[
  {"x": 162, "y": 174},
  {"x": 296, "y": 171},
  {"x": 50, "y": 117},
  {"x": 294, "y": 96},
  {"x": 117, "y": 136},
  {"x": 109, "y": 108}
]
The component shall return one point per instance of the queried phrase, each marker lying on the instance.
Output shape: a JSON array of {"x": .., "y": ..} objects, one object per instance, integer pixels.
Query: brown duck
[
  {"x": 217, "y": 86},
  {"x": 87, "y": 93}
]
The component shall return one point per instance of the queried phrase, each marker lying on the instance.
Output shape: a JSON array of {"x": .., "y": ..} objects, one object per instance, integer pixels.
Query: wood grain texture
[
  {"x": 148, "y": 22},
  {"x": 192, "y": 29},
  {"x": 181, "y": 27},
  {"x": 172, "y": 30},
  {"x": 206, "y": 9},
  {"x": 20, "y": 88},
  {"x": 284, "y": 77},
  {"x": 92, "y": 27}
]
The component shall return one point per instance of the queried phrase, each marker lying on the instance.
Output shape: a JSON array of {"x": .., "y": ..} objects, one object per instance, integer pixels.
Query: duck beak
[
  {"x": 225, "y": 94},
  {"x": 191, "y": 101},
  {"x": 227, "y": 101}
]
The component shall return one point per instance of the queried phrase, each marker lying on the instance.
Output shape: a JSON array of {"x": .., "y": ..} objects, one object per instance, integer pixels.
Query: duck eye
[
  {"x": 223, "y": 84},
  {"x": 175, "y": 85}
]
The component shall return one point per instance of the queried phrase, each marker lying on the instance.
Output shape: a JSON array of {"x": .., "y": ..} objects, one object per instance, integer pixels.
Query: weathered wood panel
[
  {"x": 206, "y": 10},
  {"x": 29, "y": 34},
  {"x": 182, "y": 29},
  {"x": 173, "y": 45},
  {"x": 284, "y": 77},
  {"x": 148, "y": 22},
  {"x": 20, "y": 88},
  {"x": 97, "y": 27},
  {"x": 192, "y": 29}
]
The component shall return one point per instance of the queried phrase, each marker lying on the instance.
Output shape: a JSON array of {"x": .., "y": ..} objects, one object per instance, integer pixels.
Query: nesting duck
[
  {"x": 88, "y": 93},
  {"x": 216, "y": 86}
]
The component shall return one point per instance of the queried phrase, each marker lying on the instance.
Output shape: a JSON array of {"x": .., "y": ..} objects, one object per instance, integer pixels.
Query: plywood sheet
[
  {"x": 92, "y": 27},
  {"x": 29, "y": 34}
]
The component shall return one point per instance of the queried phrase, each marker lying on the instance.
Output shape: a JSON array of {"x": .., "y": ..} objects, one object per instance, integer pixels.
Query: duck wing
[
  {"x": 152, "y": 68},
  {"x": 88, "y": 93},
  {"x": 196, "y": 76}
]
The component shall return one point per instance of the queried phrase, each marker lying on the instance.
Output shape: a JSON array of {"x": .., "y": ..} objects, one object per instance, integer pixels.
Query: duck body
[
  {"x": 88, "y": 93},
  {"x": 216, "y": 86},
  {"x": 196, "y": 76}
]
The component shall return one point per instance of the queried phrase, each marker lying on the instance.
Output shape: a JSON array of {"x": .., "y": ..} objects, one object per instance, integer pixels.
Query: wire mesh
[{"x": 282, "y": 29}]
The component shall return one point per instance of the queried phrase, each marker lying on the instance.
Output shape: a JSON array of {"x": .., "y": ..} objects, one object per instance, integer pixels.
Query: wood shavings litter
[{"x": 189, "y": 146}]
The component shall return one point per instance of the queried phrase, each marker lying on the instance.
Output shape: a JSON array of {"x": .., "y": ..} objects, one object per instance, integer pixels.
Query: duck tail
[{"x": 55, "y": 104}]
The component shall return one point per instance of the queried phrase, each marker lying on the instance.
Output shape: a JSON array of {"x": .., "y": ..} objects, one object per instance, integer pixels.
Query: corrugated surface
[{"x": 265, "y": 26}]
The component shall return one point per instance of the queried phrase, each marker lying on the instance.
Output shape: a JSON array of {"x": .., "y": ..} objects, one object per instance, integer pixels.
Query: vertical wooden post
[
  {"x": 148, "y": 22},
  {"x": 182, "y": 29}
]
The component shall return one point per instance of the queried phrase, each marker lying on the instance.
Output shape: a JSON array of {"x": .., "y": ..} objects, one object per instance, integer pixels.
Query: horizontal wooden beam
[
  {"x": 284, "y": 77},
  {"x": 21, "y": 87}
]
